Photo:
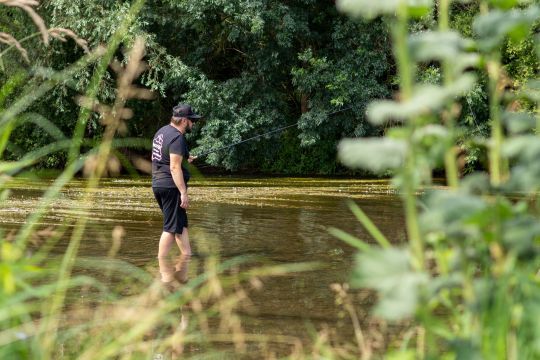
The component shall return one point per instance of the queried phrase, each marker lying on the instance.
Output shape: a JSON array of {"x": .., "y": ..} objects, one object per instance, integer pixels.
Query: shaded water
[{"x": 281, "y": 220}]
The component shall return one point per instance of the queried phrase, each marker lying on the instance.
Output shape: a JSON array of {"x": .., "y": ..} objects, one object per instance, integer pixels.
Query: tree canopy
[{"x": 248, "y": 66}]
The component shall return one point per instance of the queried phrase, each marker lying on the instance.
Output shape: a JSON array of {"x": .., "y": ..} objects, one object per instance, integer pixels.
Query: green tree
[{"x": 249, "y": 66}]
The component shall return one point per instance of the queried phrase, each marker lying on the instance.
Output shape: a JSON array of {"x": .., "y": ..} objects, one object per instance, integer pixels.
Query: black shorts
[{"x": 174, "y": 217}]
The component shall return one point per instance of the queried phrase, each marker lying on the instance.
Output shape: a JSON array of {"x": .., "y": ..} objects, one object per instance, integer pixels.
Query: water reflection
[{"x": 174, "y": 273}]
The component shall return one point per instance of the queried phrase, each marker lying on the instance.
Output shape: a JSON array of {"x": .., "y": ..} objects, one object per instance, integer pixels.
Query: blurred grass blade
[
  {"x": 371, "y": 228},
  {"x": 10, "y": 85},
  {"x": 349, "y": 239},
  {"x": 43, "y": 123},
  {"x": 32, "y": 157},
  {"x": 7, "y": 89},
  {"x": 124, "y": 161},
  {"x": 5, "y": 133}
]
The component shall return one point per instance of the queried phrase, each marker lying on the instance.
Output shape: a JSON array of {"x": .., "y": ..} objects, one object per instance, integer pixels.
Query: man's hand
[
  {"x": 191, "y": 158},
  {"x": 184, "y": 200}
]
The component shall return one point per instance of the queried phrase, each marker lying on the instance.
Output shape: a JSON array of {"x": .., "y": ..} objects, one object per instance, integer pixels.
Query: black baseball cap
[{"x": 184, "y": 110}]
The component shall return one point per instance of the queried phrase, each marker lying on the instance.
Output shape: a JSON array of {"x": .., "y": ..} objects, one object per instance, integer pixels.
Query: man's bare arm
[{"x": 178, "y": 178}]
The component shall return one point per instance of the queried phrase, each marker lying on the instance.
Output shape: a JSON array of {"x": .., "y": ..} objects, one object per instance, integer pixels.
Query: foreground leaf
[
  {"x": 425, "y": 100},
  {"x": 389, "y": 272},
  {"x": 371, "y": 9},
  {"x": 493, "y": 27},
  {"x": 519, "y": 122},
  {"x": 438, "y": 45},
  {"x": 374, "y": 154}
]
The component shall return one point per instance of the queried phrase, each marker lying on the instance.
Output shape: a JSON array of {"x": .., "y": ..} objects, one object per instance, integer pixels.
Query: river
[{"x": 277, "y": 220}]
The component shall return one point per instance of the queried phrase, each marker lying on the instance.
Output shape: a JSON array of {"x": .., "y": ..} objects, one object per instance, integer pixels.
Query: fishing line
[{"x": 264, "y": 134}]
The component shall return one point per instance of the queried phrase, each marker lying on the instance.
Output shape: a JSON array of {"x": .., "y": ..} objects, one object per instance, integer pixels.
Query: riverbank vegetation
[{"x": 248, "y": 66}]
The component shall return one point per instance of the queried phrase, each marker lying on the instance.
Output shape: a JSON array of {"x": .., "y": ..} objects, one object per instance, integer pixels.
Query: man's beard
[{"x": 188, "y": 130}]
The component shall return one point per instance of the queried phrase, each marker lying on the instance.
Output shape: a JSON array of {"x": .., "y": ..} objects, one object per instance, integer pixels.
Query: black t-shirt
[{"x": 168, "y": 140}]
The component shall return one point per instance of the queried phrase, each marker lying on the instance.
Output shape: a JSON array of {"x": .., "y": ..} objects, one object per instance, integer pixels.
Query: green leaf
[
  {"x": 526, "y": 148},
  {"x": 531, "y": 90},
  {"x": 519, "y": 234},
  {"x": 4, "y": 194},
  {"x": 519, "y": 122},
  {"x": 401, "y": 355},
  {"x": 524, "y": 179},
  {"x": 503, "y": 4},
  {"x": 463, "y": 62},
  {"x": 493, "y": 27},
  {"x": 437, "y": 45},
  {"x": 465, "y": 349},
  {"x": 389, "y": 272},
  {"x": 476, "y": 184},
  {"x": 525, "y": 173},
  {"x": 430, "y": 131},
  {"x": 374, "y": 154},
  {"x": 449, "y": 212},
  {"x": 370, "y": 9},
  {"x": 425, "y": 100}
]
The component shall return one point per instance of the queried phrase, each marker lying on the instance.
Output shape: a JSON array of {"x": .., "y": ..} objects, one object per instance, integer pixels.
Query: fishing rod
[{"x": 264, "y": 134}]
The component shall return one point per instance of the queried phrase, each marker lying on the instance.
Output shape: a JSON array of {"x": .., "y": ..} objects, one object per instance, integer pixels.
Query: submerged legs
[{"x": 182, "y": 240}]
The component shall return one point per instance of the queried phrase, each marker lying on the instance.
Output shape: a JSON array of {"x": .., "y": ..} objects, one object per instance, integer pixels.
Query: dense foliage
[{"x": 248, "y": 66}]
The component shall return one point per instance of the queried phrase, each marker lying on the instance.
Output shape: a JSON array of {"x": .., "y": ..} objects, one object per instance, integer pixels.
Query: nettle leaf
[
  {"x": 476, "y": 184},
  {"x": 438, "y": 45},
  {"x": 370, "y": 9},
  {"x": 441, "y": 282},
  {"x": 389, "y": 272},
  {"x": 537, "y": 45},
  {"x": 519, "y": 234},
  {"x": 449, "y": 211},
  {"x": 531, "y": 90},
  {"x": 425, "y": 100},
  {"x": 430, "y": 131},
  {"x": 525, "y": 148},
  {"x": 465, "y": 349},
  {"x": 519, "y": 122},
  {"x": 493, "y": 27},
  {"x": 431, "y": 141},
  {"x": 503, "y": 4},
  {"x": 524, "y": 178},
  {"x": 374, "y": 154},
  {"x": 463, "y": 62}
]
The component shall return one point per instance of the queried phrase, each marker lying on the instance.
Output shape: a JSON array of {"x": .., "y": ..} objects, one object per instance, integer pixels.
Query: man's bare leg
[
  {"x": 182, "y": 240},
  {"x": 165, "y": 243}
]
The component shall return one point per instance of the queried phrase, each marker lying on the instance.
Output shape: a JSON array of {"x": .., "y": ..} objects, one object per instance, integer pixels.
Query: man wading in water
[{"x": 170, "y": 178}]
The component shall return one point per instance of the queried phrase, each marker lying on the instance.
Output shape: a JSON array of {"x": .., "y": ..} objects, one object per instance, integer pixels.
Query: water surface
[{"x": 280, "y": 220}]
